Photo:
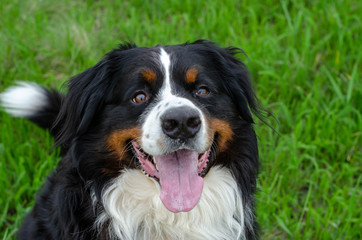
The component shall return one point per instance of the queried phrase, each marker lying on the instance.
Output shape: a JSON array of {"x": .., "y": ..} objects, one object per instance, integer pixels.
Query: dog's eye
[
  {"x": 202, "y": 92},
  {"x": 140, "y": 97}
]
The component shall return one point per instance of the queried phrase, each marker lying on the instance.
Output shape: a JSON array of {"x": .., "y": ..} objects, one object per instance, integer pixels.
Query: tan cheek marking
[
  {"x": 191, "y": 75},
  {"x": 225, "y": 132},
  {"x": 149, "y": 75},
  {"x": 117, "y": 140}
]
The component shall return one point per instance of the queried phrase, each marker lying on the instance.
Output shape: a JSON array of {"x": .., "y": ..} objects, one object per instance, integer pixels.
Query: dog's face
[{"x": 169, "y": 111}]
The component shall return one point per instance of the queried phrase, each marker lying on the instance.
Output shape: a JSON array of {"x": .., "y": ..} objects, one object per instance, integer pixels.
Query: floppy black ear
[
  {"x": 237, "y": 83},
  {"x": 235, "y": 78},
  {"x": 84, "y": 98},
  {"x": 87, "y": 93}
]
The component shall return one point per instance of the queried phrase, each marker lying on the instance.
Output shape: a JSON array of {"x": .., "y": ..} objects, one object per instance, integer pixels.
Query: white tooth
[{"x": 154, "y": 160}]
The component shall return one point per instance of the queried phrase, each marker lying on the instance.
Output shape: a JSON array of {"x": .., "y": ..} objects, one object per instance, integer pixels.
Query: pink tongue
[{"x": 181, "y": 186}]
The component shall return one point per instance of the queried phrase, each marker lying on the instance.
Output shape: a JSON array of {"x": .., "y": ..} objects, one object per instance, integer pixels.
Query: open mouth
[{"x": 179, "y": 174}]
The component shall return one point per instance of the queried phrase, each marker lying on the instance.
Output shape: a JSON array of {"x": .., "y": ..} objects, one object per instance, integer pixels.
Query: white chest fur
[{"x": 134, "y": 210}]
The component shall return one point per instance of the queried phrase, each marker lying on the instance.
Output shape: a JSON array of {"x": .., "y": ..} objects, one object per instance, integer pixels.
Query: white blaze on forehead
[
  {"x": 166, "y": 64},
  {"x": 166, "y": 95},
  {"x": 153, "y": 140}
]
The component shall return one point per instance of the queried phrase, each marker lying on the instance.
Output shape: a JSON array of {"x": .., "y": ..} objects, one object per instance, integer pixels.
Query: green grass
[{"x": 306, "y": 62}]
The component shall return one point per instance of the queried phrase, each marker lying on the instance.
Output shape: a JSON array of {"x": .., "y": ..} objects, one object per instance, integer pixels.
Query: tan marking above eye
[
  {"x": 191, "y": 75},
  {"x": 149, "y": 75}
]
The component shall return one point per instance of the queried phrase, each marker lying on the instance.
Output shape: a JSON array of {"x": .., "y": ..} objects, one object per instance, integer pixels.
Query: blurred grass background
[{"x": 305, "y": 58}]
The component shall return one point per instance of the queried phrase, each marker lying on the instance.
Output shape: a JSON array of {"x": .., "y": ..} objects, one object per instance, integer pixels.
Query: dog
[{"x": 156, "y": 143}]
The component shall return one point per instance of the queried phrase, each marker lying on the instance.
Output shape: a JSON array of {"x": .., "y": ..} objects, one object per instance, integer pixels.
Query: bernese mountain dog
[{"x": 156, "y": 143}]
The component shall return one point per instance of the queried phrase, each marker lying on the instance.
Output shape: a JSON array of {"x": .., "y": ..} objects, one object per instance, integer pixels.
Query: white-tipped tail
[{"x": 24, "y": 100}]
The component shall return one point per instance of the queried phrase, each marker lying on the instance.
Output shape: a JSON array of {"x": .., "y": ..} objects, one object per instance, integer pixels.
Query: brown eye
[
  {"x": 140, "y": 97},
  {"x": 202, "y": 92}
]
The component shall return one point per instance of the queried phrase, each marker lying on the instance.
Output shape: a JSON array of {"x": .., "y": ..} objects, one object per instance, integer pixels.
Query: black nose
[{"x": 181, "y": 123}]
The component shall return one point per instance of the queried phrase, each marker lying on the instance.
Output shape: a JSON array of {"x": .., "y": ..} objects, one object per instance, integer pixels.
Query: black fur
[{"x": 98, "y": 104}]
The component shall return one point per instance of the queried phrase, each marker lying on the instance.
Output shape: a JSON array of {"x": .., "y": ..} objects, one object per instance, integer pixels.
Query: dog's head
[{"x": 172, "y": 112}]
